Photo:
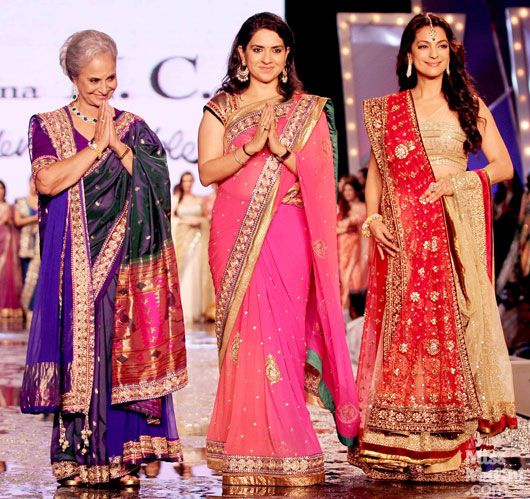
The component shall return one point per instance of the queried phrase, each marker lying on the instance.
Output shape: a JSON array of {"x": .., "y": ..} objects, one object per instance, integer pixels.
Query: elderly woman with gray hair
[{"x": 106, "y": 346}]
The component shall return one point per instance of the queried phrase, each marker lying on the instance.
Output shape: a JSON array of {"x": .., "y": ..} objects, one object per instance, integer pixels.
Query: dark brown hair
[
  {"x": 344, "y": 206},
  {"x": 458, "y": 88},
  {"x": 272, "y": 22}
]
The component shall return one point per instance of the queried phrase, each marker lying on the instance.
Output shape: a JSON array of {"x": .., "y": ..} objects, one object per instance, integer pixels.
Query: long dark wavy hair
[
  {"x": 344, "y": 205},
  {"x": 458, "y": 88},
  {"x": 272, "y": 22}
]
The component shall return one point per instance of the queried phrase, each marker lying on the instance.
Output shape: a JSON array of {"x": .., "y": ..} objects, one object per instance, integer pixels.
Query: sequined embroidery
[{"x": 272, "y": 370}]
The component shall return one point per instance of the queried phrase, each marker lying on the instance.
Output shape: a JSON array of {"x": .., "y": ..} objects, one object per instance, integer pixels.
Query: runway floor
[{"x": 24, "y": 446}]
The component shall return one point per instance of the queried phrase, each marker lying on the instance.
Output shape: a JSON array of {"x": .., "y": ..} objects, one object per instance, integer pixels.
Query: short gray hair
[{"x": 81, "y": 47}]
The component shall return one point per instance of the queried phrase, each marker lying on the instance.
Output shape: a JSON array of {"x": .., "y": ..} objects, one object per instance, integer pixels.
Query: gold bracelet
[
  {"x": 234, "y": 152},
  {"x": 365, "y": 228},
  {"x": 127, "y": 151}
]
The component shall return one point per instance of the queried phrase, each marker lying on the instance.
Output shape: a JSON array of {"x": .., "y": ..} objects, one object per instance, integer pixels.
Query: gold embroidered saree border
[
  {"x": 258, "y": 470},
  {"x": 256, "y": 480},
  {"x": 146, "y": 448},
  {"x": 59, "y": 129},
  {"x": 78, "y": 398},
  {"x": 109, "y": 251},
  {"x": 150, "y": 389},
  {"x": 256, "y": 222}
]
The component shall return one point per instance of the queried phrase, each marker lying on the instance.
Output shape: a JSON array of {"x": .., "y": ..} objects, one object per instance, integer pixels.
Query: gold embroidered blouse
[{"x": 444, "y": 143}]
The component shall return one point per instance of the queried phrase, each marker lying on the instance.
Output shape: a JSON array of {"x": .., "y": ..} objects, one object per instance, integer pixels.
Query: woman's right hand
[
  {"x": 383, "y": 238},
  {"x": 102, "y": 134},
  {"x": 257, "y": 143}
]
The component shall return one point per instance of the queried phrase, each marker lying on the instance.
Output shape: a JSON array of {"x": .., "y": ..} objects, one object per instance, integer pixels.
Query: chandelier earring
[
  {"x": 409, "y": 68},
  {"x": 242, "y": 73},
  {"x": 75, "y": 92},
  {"x": 285, "y": 77},
  {"x": 447, "y": 70}
]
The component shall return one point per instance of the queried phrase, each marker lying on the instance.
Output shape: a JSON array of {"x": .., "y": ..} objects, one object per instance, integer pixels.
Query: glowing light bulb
[
  {"x": 525, "y": 125},
  {"x": 450, "y": 19},
  {"x": 400, "y": 21},
  {"x": 517, "y": 46},
  {"x": 353, "y": 152},
  {"x": 346, "y": 51},
  {"x": 523, "y": 13},
  {"x": 377, "y": 18},
  {"x": 351, "y": 126},
  {"x": 459, "y": 26},
  {"x": 347, "y": 75},
  {"x": 350, "y": 101},
  {"x": 353, "y": 18},
  {"x": 514, "y": 20}
]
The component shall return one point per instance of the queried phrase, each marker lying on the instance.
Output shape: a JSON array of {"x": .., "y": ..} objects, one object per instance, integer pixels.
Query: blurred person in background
[
  {"x": 190, "y": 227},
  {"x": 352, "y": 247},
  {"x": 27, "y": 220},
  {"x": 10, "y": 271}
]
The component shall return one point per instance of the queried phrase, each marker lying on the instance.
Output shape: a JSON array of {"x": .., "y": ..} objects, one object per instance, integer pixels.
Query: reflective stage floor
[{"x": 24, "y": 447}]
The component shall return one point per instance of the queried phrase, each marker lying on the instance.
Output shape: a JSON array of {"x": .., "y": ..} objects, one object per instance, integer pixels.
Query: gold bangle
[
  {"x": 127, "y": 151},
  {"x": 365, "y": 228},
  {"x": 234, "y": 152}
]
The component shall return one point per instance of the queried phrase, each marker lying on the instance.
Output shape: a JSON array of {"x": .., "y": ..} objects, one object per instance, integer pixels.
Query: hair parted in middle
[
  {"x": 272, "y": 22},
  {"x": 458, "y": 87}
]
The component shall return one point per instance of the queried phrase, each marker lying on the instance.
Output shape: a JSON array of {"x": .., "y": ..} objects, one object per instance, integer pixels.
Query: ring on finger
[{"x": 433, "y": 186}]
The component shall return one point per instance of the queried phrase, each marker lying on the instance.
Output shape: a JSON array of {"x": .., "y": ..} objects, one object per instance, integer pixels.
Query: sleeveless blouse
[{"x": 444, "y": 143}]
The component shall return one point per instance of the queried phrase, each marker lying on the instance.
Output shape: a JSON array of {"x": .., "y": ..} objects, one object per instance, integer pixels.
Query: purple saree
[{"x": 106, "y": 346}]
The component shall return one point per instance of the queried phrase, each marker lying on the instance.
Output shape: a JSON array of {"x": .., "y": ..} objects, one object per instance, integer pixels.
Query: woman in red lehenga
[
  {"x": 434, "y": 367},
  {"x": 10, "y": 273},
  {"x": 273, "y": 255}
]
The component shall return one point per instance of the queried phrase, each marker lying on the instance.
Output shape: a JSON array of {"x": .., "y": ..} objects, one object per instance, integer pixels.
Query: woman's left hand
[{"x": 436, "y": 190}]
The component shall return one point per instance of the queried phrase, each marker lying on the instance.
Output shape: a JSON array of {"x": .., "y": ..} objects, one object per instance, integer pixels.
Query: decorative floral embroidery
[
  {"x": 319, "y": 248},
  {"x": 272, "y": 370},
  {"x": 234, "y": 351}
]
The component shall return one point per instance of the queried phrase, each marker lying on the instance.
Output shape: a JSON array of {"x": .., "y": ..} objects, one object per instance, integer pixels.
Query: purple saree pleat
[{"x": 43, "y": 355}]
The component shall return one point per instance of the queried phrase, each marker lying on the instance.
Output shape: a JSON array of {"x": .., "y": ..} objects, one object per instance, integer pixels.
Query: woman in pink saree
[{"x": 273, "y": 256}]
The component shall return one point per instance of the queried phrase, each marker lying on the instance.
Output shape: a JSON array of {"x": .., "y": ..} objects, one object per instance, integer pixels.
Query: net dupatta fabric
[{"x": 421, "y": 385}]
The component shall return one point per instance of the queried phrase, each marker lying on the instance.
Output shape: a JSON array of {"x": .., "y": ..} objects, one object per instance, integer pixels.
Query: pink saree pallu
[
  {"x": 434, "y": 367},
  {"x": 281, "y": 336}
]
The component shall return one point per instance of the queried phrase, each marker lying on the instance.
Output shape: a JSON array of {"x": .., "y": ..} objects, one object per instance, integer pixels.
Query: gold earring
[
  {"x": 242, "y": 73},
  {"x": 409, "y": 69},
  {"x": 285, "y": 76},
  {"x": 448, "y": 71}
]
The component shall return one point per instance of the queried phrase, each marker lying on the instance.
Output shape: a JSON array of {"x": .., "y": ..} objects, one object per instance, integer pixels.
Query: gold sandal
[{"x": 70, "y": 482}]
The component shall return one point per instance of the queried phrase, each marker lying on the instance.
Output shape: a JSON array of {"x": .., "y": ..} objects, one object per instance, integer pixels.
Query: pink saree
[{"x": 281, "y": 336}]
